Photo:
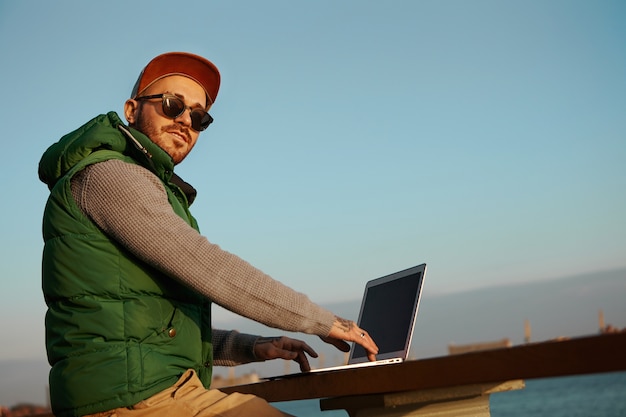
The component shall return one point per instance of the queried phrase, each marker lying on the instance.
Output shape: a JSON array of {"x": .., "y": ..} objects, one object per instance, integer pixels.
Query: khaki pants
[{"x": 189, "y": 398}]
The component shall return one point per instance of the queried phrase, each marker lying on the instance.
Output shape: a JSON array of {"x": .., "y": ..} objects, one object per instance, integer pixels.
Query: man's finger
[
  {"x": 339, "y": 344},
  {"x": 306, "y": 348},
  {"x": 303, "y": 361}
]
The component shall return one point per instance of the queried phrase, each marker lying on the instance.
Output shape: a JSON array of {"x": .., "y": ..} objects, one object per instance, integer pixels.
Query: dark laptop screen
[{"x": 387, "y": 314}]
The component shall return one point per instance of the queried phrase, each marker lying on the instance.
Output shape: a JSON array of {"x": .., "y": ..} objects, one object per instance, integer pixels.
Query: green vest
[{"x": 117, "y": 330}]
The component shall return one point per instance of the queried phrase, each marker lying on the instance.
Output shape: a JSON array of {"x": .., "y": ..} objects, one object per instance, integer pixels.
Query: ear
[{"x": 131, "y": 107}]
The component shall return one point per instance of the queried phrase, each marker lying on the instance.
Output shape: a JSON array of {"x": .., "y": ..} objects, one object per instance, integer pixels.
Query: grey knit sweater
[{"x": 129, "y": 203}]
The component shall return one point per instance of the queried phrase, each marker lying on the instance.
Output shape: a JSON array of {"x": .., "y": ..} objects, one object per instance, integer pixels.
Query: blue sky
[{"x": 351, "y": 139}]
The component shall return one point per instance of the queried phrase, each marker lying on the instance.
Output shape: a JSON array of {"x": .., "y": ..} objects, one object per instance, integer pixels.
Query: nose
[{"x": 185, "y": 117}]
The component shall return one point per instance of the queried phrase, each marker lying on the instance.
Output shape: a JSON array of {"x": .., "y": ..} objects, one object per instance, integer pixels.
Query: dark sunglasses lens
[
  {"x": 200, "y": 120},
  {"x": 173, "y": 107}
]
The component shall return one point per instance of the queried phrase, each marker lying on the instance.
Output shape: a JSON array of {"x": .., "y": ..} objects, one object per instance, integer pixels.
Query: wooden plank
[
  {"x": 437, "y": 395},
  {"x": 584, "y": 355}
]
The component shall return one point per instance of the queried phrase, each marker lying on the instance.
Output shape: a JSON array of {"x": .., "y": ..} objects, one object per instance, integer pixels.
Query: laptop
[{"x": 388, "y": 312}]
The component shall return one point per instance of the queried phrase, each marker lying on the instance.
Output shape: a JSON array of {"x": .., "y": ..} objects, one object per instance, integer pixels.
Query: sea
[{"x": 596, "y": 395}]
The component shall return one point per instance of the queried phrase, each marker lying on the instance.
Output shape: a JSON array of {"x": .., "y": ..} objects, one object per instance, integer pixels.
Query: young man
[{"x": 128, "y": 278}]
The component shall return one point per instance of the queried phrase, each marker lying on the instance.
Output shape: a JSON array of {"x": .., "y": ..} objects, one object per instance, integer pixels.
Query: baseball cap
[{"x": 199, "y": 69}]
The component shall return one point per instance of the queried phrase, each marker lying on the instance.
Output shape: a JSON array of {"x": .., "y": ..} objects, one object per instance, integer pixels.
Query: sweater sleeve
[
  {"x": 129, "y": 203},
  {"x": 231, "y": 348}
]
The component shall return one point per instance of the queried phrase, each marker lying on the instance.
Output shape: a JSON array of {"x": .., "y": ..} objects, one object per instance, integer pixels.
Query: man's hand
[
  {"x": 347, "y": 330},
  {"x": 284, "y": 348}
]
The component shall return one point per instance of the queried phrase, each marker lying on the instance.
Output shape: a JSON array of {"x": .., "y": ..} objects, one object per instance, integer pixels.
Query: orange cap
[{"x": 199, "y": 69}]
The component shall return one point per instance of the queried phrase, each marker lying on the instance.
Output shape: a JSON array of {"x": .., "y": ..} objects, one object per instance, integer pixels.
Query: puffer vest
[{"x": 117, "y": 330}]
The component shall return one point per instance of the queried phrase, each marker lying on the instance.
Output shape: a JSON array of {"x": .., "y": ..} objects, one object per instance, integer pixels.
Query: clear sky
[{"x": 351, "y": 139}]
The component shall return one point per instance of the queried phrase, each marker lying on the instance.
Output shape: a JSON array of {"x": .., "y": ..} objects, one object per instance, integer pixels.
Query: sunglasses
[{"x": 174, "y": 106}]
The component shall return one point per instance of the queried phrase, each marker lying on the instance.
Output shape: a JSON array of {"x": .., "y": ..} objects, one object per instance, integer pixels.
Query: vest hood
[{"x": 104, "y": 132}]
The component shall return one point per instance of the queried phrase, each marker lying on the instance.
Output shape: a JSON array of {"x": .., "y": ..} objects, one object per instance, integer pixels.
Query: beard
[{"x": 160, "y": 136}]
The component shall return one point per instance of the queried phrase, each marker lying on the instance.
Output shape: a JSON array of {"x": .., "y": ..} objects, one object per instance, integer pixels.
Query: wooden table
[{"x": 450, "y": 385}]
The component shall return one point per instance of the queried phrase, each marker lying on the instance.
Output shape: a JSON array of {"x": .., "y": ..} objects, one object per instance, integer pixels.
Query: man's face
[{"x": 174, "y": 136}]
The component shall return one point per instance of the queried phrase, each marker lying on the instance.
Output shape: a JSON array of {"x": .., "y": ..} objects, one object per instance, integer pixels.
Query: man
[{"x": 128, "y": 278}]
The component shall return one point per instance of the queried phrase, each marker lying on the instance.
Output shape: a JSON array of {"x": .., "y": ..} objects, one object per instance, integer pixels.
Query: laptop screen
[{"x": 388, "y": 313}]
